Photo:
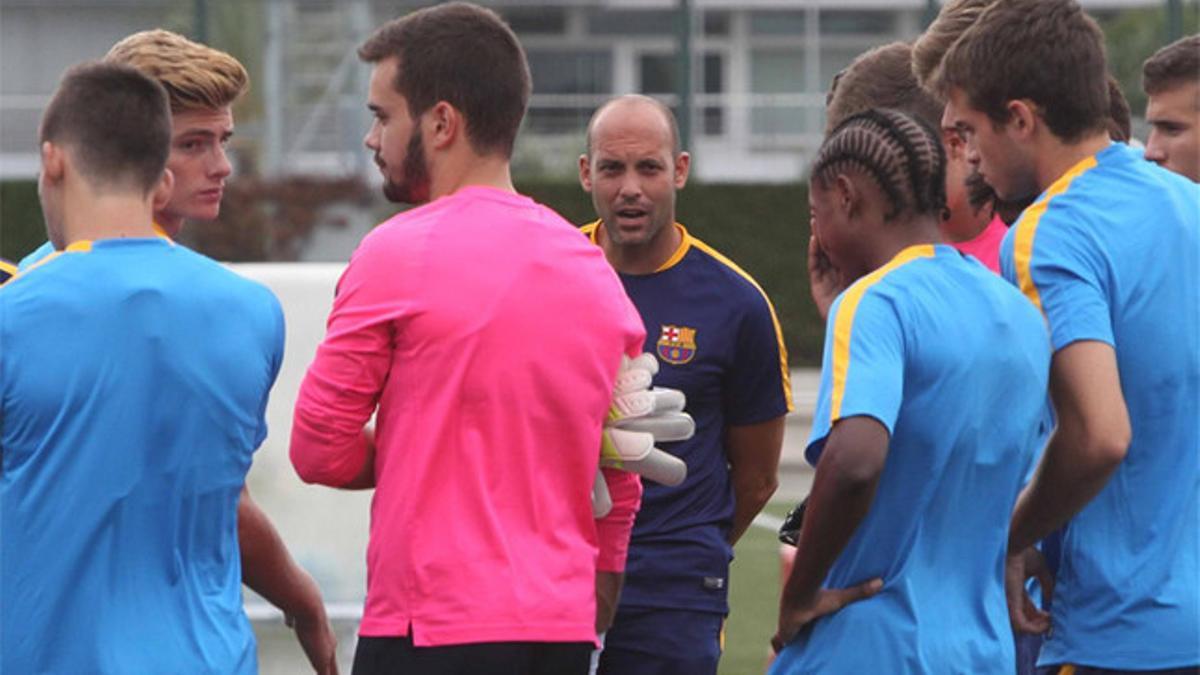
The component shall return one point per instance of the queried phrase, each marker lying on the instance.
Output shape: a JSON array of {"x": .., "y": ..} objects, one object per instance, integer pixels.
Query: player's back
[
  {"x": 1114, "y": 256},
  {"x": 133, "y": 378},
  {"x": 507, "y": 333},
  {"x": 955, "y": 363}
]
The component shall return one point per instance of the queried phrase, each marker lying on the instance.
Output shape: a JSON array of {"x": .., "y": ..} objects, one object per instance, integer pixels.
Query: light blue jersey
[
  {"x": 954, "y": 363},
  {"x": 1111, "y": 253},
  {"x": 133, "y": 383}
]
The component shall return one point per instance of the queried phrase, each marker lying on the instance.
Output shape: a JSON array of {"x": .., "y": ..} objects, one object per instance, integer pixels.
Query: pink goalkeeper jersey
[
  {"x": 986, "y": 245},
  {"x": 489, "y": 333}
]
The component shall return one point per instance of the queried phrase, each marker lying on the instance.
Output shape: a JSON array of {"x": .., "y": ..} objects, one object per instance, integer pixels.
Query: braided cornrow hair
[{"x": 902, "y": 154}]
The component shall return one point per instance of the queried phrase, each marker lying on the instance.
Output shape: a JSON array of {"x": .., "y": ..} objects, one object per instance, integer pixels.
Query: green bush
[
  {"x": 21, "y": 226},
  {"x": 763, "y": 228}
]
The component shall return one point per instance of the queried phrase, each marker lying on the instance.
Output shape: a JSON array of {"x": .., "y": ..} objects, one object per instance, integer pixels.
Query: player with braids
[{"x": 905, "y": 525}]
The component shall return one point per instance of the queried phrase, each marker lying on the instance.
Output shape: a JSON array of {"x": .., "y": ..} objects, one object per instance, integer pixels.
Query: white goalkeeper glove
[{"x": 639, "y": 417}]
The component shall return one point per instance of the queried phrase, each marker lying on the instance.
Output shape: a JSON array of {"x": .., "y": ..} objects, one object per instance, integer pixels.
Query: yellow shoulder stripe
[
  {"x": 844, "y": 320},
  {"x": 783, "y": 364},
  {"x": 590, "y": 230},
  {"x": 1027, "y": 230},
  {"x": 6, "y": 266}
]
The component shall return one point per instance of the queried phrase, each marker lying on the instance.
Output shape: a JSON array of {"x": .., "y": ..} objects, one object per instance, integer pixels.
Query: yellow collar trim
[{"x": 685, "y": 244}]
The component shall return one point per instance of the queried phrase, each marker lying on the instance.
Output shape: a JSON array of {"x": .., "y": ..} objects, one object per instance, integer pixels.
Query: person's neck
[
  {"x": 108, "y": 216},
  {"x": 171, "y": 225},
  {"x": 895, "y": 237},
  {"x": 645, "y": 258},
  {"x": 457, "y": 173},
  {"x": 1055, "y": 157}
]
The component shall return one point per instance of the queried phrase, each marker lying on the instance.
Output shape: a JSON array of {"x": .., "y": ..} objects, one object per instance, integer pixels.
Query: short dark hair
[
  {"x": 1177, "y": 63},
  {"x": 1119, "y": 123},
  {"x": 881, "y": 78},
  {"x": 1046, "y": 51},
  {"x": 115, "y": 120},
  {"x": 465, "y": 55},
  {"x": 903, "y": 154}
]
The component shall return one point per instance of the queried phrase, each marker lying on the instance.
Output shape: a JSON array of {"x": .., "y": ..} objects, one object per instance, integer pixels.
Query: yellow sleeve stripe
[
  {"x": 1027, "y": 230},
  {"x": 6, "y": 266},
  {"x": 786, "y": 375},
  {"x": 844, "y": 320}
]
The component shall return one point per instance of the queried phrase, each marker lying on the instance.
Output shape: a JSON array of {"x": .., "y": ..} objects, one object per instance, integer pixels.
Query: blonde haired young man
[{"x": 202, "y": 84}]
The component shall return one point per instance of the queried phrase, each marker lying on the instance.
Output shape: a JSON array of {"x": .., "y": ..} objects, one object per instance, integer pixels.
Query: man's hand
[
  {"x": 315, "y": 635},
  {"x": 824, "y": 280},
  {"x": 792, "y": 618},
  {"x": 1023, "y": 612}
]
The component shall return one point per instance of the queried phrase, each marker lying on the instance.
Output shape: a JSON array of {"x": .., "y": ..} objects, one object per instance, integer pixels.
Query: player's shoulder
[
  {"x": 717, "y": 268},
  {"x": 218, "y": 279}
]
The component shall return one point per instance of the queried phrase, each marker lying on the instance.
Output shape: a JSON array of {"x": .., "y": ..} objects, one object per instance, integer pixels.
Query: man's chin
[{"x": 405, "y": 194}]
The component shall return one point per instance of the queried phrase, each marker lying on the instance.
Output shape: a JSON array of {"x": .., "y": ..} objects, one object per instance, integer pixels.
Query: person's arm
[
  {"x": 753, "y": 452},
  {"x": 843, "y": 488},
  {"x": 613, "y": 531},
  {"x": 343, "y": 384},
  {"x": 608, "y": 594},
  {"x": 268, "y": 569},
  {"x": 1085, "y": 450}
]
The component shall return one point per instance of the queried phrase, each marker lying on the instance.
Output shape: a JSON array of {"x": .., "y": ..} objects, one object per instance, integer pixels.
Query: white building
[{"x": 759, "y": 70}]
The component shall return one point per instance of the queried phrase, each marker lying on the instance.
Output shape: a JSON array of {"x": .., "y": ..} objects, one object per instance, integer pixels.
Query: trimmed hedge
[
  {"x": 763, "y": 228},
  {"x": 21, "y": 224}
]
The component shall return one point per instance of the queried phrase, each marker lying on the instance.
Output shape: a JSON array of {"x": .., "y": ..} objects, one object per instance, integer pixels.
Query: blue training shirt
[
  {"x": 134, "y": 376},
  {"x": 717, "y": 339},
  {"x": 954, "y": 363},
  {"x": 1111, "y": 253}
]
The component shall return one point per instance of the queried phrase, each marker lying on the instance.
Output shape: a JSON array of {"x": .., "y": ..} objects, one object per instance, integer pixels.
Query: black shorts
[{"x": 398, "y": 656}]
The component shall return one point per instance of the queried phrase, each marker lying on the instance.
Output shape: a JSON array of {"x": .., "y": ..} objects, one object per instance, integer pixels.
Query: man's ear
[
  {"x": 585, "y": 173},
  {"x": 54, "y": 162},
  {"x": 444, "y": 124},
  {"x": 683, "y": 165},
  {"x": 162, "y": 191},
  {"x": 1023, "y": 117}
]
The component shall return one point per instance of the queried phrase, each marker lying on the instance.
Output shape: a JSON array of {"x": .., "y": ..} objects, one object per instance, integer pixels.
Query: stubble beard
[{"x": 414, "y": 184}]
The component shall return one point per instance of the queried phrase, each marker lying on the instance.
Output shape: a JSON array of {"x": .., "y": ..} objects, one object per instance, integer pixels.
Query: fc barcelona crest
[{"x": 677, "y": 344}]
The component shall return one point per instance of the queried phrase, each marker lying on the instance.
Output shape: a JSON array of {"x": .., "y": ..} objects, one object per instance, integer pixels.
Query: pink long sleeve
[{"x": 485, "y": 334}]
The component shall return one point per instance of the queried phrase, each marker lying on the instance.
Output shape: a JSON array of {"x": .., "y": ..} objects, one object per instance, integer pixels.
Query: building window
[
  {"x": 777, "y": 72},
  {"x": 712, "y": 121},
  {"x": 536, "y": 21},
  {"x": 716, "y": 23},
  {"x": 777, "y": 23},
  {"x": 567, "y": 86},
  {"x": 571, "y": 72},
  {"x": 843, "y": 22},
  {"x": 619, "y": 22},
  {"x": 657, "y": 73}
]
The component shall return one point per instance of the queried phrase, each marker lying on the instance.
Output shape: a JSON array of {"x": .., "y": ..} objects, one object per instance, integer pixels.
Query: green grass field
[{"x": 753, "y": 600}]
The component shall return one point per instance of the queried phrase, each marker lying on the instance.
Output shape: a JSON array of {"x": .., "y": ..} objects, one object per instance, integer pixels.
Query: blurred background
[{"x": 747, "y": 79}]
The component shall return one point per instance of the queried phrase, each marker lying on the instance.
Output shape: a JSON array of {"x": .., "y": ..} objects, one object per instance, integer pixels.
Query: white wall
[{"x": 325, "y": 529}]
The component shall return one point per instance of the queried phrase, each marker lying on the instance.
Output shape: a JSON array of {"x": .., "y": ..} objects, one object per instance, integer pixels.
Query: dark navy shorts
[{"x": 663, "y": 642}]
